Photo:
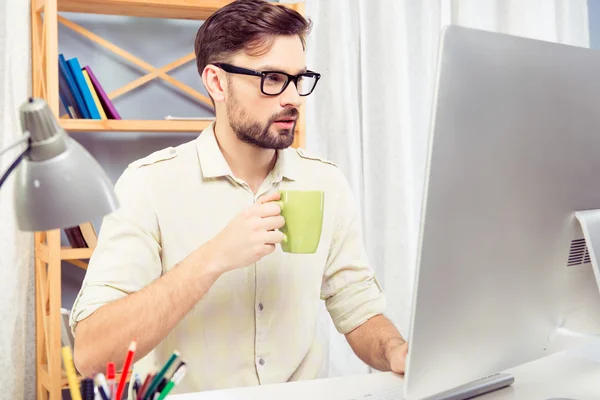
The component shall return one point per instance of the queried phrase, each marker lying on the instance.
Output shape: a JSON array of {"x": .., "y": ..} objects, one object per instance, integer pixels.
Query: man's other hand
[{"x": 396, "y": 357}]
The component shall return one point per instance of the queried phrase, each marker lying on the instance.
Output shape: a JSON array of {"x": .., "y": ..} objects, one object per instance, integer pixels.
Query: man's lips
[
  {"x": 285, "y": 123},
  {"x": 290, "y": 119}
]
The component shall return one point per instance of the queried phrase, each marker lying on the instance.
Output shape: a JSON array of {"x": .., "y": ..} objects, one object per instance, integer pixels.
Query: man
[{"x": 191, "y": 261}]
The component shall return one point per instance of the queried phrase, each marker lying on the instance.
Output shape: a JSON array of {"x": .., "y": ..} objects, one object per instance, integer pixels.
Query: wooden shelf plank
[
  {"x": 64, "y": 382},
  {"x": 178, "y": 9},
  {"x": 123, "y": 125},
  {"x": 68, "y": 253},
  {"x": 41, "y": 252},
  {"x": 44, "y": 376},
  {"x": 38, "y": 5},
  {"x": 78, "y": 263}
]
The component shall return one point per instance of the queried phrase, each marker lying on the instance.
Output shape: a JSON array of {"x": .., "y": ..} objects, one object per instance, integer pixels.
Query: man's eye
[{"x": 275, "y": 78}]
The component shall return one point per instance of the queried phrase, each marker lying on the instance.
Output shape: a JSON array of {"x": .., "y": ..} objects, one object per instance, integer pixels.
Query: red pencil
[{"x": 125, "y": 370}]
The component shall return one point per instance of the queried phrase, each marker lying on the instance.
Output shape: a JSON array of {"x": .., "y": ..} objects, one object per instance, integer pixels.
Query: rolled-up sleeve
[
  {"x": 127, "y": 256},
  {"x": 351, "y": 292}
]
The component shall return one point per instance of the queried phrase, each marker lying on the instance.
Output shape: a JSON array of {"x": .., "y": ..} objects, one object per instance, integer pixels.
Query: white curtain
[
  {"x": 17, "y": 351},
  {"x": 370, "y": 114}
]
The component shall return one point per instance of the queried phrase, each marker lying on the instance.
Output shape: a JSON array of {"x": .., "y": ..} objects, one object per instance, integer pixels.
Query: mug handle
[{"x": 280, "y": 204}]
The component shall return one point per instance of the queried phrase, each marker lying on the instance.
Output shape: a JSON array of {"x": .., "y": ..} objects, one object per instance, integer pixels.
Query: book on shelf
[
  {"x": 106, "y": 104},
  {"x": 80, "y": 93},
  {"x": 82, "y": 236},
  {"x": 68, "y": 87},
  {"x": 89, "y": 85},
  {"x": 84, "y": 90}
]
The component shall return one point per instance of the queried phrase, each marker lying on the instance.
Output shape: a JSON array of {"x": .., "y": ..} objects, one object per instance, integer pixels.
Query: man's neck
[{"x": 249, "y": 163}]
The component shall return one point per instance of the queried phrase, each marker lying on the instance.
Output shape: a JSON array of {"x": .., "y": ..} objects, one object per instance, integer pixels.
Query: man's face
[{"x": 265, "y": 121}]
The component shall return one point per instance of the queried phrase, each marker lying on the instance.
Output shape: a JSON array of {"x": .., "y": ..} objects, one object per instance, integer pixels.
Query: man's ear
[{"x": 214, "y": 82}]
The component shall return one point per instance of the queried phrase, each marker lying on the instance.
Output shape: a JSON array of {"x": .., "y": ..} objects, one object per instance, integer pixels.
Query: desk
[{"x": 574, "y": 374}]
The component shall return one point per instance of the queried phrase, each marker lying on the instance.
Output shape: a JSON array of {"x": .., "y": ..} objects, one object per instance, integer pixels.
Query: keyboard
[{"x": 462, "y": 392}]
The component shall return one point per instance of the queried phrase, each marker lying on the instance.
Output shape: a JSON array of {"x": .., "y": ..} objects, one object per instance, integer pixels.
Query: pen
[
  {"x": 125, "y": 371},
  {"x": 100, "y": 382},
  {"x": 71, "y": 374},
  {"x": 137, "y": 380},
  {"x": 160, "y": 375},
  {"x": 110, "y": 378},
  {"x": 136, "y": 386},
  {"x": 174, "y": 381},
  {"x": 87, "y": 389},
  {"x": 181, "y": 364},
  {"x": 160, "y": 387},
  {"x": 147, "y": 381}
]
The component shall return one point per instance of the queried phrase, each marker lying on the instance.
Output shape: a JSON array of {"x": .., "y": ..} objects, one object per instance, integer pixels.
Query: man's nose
[{"x": 290, "y": 96}]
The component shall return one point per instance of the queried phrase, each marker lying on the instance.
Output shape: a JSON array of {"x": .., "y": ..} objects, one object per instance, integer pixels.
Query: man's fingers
[
  {"x": 269, "y": 248},
  {"x": 274, "y": 222},
  {"x": 267, "y": 197},
  {"x": 269, "y": 209},
  {"x": 273, "y": 237},
  {"x": 398, "y": 361}
]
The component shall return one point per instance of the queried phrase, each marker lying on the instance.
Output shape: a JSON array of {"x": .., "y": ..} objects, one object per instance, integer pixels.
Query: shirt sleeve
[
  {"x": 351, "y": 292},
  {"x": 127, "y": 255}
]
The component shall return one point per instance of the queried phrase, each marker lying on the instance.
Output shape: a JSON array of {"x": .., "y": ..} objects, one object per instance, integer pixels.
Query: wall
[
  {"x": 594, "y": 16},
  {"x": 17, "y": 351}
]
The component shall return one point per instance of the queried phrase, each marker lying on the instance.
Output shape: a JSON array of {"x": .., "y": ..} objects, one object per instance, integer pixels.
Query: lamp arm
[
  {"x": 16, "y": 162},
  {"x": 25, "y": 137},
  {"x": 13, "y": 166}
]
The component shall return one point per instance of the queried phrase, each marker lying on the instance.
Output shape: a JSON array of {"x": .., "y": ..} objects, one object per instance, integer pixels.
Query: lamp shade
[
  {"x": 58, "y": 183},
  {"x": 63, "y": 191}
]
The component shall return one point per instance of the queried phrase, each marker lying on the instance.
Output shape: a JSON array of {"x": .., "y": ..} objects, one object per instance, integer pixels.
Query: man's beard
[{"x": 257, "y": 134}]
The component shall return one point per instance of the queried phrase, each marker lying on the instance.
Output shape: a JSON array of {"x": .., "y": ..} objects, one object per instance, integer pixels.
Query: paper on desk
[{"x": 589, "y": 351}]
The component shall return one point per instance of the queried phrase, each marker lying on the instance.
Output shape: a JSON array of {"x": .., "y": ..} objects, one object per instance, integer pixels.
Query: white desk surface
[{"x": 574, "y": 375}]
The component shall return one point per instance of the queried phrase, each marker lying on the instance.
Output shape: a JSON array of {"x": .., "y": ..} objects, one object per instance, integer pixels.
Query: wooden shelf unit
[
  {"x": 115, "y": 125},
  {"x": 177, "y": 9},
  {"x": 49, "y": 253}
]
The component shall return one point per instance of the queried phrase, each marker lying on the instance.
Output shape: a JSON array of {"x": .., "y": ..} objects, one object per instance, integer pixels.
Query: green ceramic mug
[{"x": 303, "y": 214}]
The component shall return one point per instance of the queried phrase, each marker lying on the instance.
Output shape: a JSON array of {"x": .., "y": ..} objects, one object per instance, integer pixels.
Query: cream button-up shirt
[{"x": 256, "y": 325}]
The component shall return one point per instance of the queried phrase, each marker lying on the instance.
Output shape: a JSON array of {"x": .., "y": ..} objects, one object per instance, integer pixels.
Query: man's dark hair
[{"x": 250, "y": 25}]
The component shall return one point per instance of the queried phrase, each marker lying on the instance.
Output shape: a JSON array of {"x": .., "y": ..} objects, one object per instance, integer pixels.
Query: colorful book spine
[
  {"x": 84, "y": 90},
  {"x": 71, "y": 87},
  {"x": 65, "y": 108},
  {"x": 109, "y": 107},
  {"x": 94, "y": 94}
]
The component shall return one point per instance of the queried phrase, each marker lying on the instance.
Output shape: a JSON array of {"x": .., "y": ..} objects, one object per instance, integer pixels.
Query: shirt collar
[
  {"x": 285, "y": 165},
  {"x": 212, "y": 162},
  {"x": 214, "y": 165}
]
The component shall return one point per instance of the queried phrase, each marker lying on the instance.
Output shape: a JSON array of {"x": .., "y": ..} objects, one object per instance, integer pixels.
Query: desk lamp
[{"x": 58, "y": 184}]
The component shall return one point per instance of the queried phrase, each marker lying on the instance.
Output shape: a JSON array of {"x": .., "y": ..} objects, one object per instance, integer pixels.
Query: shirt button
[
  {"x": 260, "y": 307},
  {"x": 261, "y": 361}
]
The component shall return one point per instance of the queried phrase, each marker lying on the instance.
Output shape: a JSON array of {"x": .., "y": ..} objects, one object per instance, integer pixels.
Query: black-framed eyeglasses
[{"x": 273, "y": 83}]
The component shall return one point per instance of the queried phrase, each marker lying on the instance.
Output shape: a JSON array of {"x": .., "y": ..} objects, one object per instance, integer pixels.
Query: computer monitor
[{"x": 514, "y": 153}]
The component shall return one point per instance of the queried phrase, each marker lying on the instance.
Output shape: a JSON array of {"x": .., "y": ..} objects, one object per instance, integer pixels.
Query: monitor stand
[
  {"x": 590, "y": 226},
  {"x": 589, "y": 221},
  {"x": 476, "y": 388}
]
